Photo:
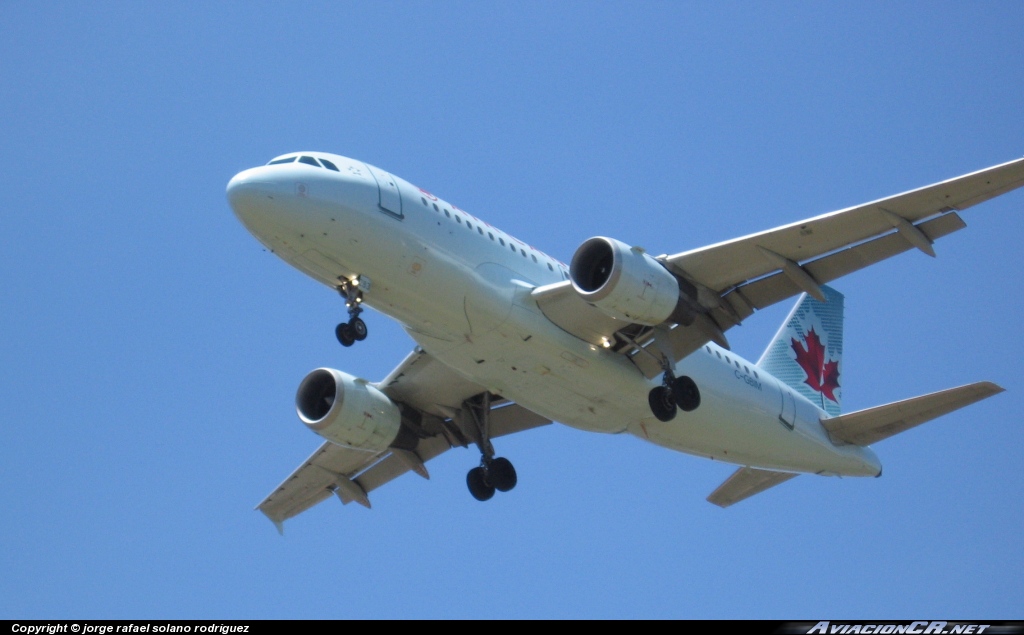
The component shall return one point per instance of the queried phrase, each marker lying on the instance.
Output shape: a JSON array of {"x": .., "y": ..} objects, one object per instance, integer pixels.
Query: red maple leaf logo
[{"x": 822, "y": 376}]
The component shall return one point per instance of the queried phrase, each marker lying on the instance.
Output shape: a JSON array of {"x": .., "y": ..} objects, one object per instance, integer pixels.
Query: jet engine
[
  {"x": 347, "y": 410},
  {"x": 627, "y": 284}
]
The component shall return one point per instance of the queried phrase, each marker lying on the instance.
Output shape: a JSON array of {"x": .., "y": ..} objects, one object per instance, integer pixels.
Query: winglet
[{"x": 278, "y": 522}]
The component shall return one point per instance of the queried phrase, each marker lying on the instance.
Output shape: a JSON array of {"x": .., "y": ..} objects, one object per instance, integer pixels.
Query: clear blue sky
[{"x": 151, "y": 348}]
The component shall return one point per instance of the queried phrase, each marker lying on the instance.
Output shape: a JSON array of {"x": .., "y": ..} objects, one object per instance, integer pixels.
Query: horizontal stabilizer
[
  {"x": 865, "y": 427},
  {"x": 744, "y": 483}
]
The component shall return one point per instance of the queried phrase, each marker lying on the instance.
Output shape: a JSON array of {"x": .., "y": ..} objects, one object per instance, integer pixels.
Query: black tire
[
  {"x": 358, "y": 328},
  {"x": 501, "y": 474},
  {"x": 686, "y": 393},
  {"x": 344, "y": 334},
  {"x": 663, "y": 403},
  {"x": 478, "y": 486}
]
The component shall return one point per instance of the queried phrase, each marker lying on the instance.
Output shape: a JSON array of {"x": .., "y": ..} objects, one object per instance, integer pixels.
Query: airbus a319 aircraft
[{"x": 620, "y": 340}]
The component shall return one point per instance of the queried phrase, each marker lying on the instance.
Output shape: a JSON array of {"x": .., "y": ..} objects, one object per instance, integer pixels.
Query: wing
[
  {"x": 761, "y": 269},
  {"x": 732, "y": 279},
  {"x": 434, "y": 401}
]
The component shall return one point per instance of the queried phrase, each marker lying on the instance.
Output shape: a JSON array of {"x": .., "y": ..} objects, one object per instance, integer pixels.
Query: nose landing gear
[{"x": 348, "y": 333}]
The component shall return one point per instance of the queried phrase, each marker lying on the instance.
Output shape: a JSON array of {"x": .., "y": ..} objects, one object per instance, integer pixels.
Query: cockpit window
[
  {"x": 284, "y": 160},
  {"x": 309, "y": 161},
  {"x": 329, "y": 165}
]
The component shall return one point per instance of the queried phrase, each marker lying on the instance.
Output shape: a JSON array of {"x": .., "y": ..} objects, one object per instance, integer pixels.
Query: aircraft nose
[{"x": 247, "y": 193}]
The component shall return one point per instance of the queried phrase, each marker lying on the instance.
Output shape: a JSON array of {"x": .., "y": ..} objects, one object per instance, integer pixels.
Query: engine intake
[
  {"x": 627, "y": 284},
  {"x": 347, "y": 410}
]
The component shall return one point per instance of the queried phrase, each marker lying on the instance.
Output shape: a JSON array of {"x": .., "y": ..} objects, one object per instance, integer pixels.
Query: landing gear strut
[
  {"x": 675, "y": 392},
  {"x": 348, "y": 333},
  {"x": 493, "y": 473}
]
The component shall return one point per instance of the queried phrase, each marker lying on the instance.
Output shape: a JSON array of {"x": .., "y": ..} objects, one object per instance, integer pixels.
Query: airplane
[{"x": 509, "y": 338}]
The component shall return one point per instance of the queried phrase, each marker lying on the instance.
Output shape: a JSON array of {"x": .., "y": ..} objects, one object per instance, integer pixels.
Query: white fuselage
[{"x": 461, "y": 289}]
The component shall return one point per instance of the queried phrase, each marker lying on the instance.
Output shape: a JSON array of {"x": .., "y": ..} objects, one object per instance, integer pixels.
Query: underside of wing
[
  {"x": 428, "y": 385},
  {"x": 313, "y": 481},
  {"x": 439, "y": 410}
]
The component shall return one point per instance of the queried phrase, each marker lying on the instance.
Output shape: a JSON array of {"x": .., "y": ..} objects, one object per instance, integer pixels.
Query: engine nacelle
[
  {"x": 624, "y": 282},
  {"x": 347, "y": 410}
]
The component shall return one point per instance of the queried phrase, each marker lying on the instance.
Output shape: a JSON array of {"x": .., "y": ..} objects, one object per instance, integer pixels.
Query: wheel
[
  {"x": 344, "y": 334},
  {"x": 358, "y": 328},
  {"x": 476, "y": 480},
  {"x": 686, "y": 393},
  {"x": 501, "y": 474},
  {"x": 662, "y": 403}
]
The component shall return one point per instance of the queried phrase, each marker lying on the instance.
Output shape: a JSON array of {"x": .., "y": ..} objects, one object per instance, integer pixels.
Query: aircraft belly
[
  {"x": 420, "y": 287},
  {"x": 741, "y": 425},
  {"x": 495, "y": 335}
]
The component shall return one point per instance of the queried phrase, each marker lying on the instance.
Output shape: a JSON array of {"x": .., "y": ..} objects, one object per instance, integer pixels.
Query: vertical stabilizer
[{"x": 807, "y": 352}]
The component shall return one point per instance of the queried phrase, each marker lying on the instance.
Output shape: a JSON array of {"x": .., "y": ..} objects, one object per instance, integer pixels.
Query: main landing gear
[
  {"x": 493, "y": 473},
  {"x": 675, "y": 392},
  {"x": 348, "y": 333}
]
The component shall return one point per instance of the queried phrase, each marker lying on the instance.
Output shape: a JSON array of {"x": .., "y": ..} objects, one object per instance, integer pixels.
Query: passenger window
[
  {"x": 755, "y": 374},
  {"x": 709, "y": 349},
  {"x": 276, "y": 161},
  {"x": 550, "y": 267},
  {"x": 480, "y": 229},
  {"x": 309, "y": 161},
  {"x": 490, "y": 235},
  {"x": 329, "y": 165},
  {"x": 447, "y": 214},
  {"x": 458, "y": 219},
  {"x": 719, "y": 354},
  {"x": 424, "y": 201},
  {"x": 502, "y": 241},
  {"x": 534, "y": 257},
  {"x": 436, "y": 209},
  {"x": 523, "y": 252}
]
